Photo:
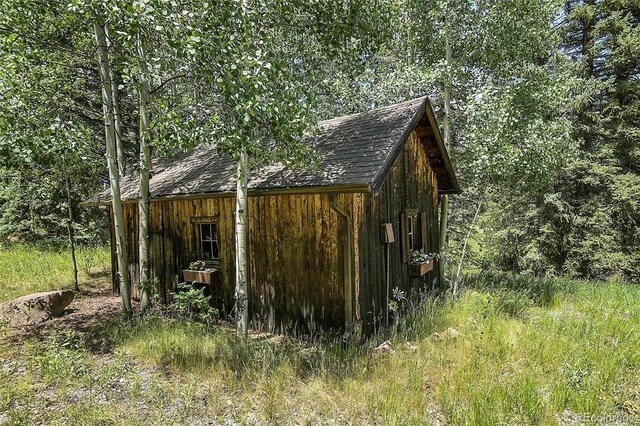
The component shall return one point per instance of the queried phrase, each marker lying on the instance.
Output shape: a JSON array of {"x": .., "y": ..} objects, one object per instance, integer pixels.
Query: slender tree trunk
[
  {"x": 447, "y": 96},
  {"x": 242, "y": 299},
  {"x": 242, "y": 291},
  {"x": 444, "y": 201},
  {"x": 464, "y": 249},
  {"x": 145, "y": 161},
  {"x": 32, "y": 216},
  {"x": 117, "y": 118},
  {"x": 114, "y": 178},
  {"x": 70, "y": 232}
]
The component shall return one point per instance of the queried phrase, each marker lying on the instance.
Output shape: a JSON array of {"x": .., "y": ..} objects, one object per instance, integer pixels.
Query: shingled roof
[{"x": 357, "y": 152}]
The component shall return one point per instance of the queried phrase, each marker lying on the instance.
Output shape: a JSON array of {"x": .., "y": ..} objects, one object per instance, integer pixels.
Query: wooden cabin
[{"x": 325, "y": 249}]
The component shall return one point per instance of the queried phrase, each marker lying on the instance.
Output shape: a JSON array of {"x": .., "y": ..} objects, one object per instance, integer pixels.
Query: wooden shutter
[
  {"x": 423, "y": 232},
  {"x": 404, "y": 227}
]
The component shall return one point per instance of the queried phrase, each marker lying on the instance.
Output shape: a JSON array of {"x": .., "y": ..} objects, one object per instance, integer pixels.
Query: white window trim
[{"x": 213, "y": 231}]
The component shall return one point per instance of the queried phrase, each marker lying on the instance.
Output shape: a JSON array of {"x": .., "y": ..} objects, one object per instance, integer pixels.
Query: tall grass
[
  {"x": 517, "y": 354},
  {"x": 26, "y": 269},
  {"x": 508, "y": 350}
]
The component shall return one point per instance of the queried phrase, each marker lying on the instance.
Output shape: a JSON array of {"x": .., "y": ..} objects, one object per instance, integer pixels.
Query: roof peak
[{"x": 373, "y": 110}]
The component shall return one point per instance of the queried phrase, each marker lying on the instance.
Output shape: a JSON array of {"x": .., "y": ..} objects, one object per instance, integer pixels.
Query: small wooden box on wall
[
  {"x": 386, "y": 233},
  {"x": 419, "y": 269},
  {"x": 202, "y": 277}
]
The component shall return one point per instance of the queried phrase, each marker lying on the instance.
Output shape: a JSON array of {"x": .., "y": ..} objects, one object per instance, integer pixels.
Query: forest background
[{"x": 544, "y": 118}]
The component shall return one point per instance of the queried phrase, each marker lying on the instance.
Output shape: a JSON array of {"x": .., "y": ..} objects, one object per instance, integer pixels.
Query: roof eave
[
  {"x": 425, "y": 108},
  {"x": 455, "y": 187},
  {"x": 321, "y": 189},
  {"x": 453, "y": 191}
]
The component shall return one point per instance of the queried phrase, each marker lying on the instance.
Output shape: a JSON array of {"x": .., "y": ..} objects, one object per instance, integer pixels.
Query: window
[
  {"x": 411, "y": 232},
  {"x": 208, "y": 241},
  {"x": 413, "y": 228}
]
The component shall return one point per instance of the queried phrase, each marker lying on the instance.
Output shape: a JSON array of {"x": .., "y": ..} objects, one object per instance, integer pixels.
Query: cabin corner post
[{"x": 347, "y": 262}]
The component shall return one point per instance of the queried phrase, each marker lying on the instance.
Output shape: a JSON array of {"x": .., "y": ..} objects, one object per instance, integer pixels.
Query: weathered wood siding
[
  {"x": 297, "y": 244},
  {"x": 410, "y": 185},
  {"x": 294, "y": 257}
]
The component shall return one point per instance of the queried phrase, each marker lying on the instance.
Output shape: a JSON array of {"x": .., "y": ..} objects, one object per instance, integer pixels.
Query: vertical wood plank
[{"x": 424, "y": 225}]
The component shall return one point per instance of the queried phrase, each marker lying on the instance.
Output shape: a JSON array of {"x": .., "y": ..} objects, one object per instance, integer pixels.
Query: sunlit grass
[
  {"x": 522, "y": 356},
  {"x": 508, "y": 350},
  {"x": 27, "y": 269}
]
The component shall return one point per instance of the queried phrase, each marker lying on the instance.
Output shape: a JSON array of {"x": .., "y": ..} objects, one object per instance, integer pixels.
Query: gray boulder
[{"x": 36, "y": 308}]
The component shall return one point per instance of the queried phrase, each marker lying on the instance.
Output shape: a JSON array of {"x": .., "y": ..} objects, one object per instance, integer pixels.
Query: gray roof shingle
[{"x": 356, "y": 151}]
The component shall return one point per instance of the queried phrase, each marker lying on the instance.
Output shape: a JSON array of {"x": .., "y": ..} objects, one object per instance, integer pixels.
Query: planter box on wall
[
  {"x": 203, "y": 277},
  {"x": 419, "y": 269}
]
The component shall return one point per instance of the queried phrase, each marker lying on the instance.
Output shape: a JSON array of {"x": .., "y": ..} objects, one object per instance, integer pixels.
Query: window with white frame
[
  {"x": 412, "y": 232},
  {"x": 209, "y": 249}
]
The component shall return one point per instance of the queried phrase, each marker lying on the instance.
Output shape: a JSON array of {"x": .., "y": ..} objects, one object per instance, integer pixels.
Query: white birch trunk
[
  {"x": 464, "y": 250},
  {"x": 114, "y": 178},
  {"x": 117, "y": 118},
  {"x": 242, "y": 291},
  {"x": 444, "y": 201},
  {"x": 145, "y": 161}
]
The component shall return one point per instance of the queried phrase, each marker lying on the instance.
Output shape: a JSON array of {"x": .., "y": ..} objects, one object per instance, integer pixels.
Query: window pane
[
  {"x": 208, "y": 241},
  {"x": 214, "y": 250},
  {"x": 205, "y": 232},
  {"x": 206, "y": 250},
  {"x": 410, "y": 226}
]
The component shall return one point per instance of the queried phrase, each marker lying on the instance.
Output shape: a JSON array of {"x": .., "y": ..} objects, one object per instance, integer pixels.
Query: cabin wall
[
  {"x": 295, "y": 255},
  {"x": 299, "y": 281},
  {"x": 410, "y": 185}
]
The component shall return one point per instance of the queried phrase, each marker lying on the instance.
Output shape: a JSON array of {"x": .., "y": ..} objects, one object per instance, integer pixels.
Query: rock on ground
[{"x": 36, "y": 308}]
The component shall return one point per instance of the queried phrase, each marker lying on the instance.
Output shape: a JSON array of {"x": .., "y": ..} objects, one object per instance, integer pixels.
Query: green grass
[
  {"x": 529, "y": 351},
  {"x": 26, "y": 269}
]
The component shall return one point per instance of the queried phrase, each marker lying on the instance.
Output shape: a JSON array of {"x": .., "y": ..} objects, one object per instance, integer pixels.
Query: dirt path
[
  {"x": 94, "y": 305},
  {"x": 89, "y": 309}
]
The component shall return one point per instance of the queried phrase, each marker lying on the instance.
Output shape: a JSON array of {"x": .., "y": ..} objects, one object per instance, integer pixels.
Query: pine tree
[{"x": 593, "y": 223}]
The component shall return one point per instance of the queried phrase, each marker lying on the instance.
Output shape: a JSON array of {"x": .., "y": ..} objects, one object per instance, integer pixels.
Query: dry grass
[{"x": 509, "y": 350}]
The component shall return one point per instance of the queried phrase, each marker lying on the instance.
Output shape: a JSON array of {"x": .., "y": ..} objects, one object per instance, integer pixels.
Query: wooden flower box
[
  {"x": 419, "y": 269},
  {"x": 203, "y": 277}
]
